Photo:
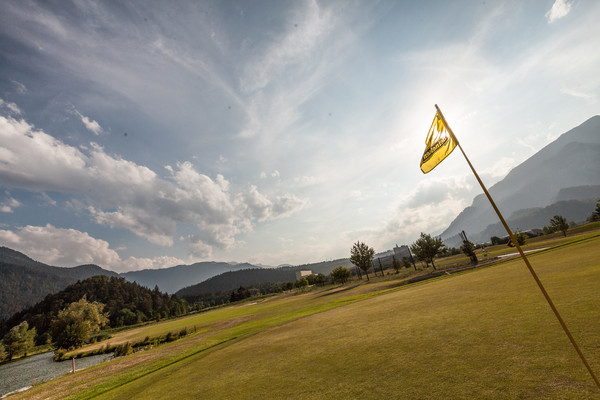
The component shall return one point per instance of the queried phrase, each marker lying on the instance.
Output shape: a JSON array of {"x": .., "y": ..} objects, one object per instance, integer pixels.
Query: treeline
[{"x": 126, "y": 303}]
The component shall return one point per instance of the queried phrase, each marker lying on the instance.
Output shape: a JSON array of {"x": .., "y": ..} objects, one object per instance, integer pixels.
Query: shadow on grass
[{"x": 339, "y": 290}]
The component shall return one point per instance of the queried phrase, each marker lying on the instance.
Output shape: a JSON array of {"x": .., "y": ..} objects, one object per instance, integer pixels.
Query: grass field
[{"x": 485, "y": 333}]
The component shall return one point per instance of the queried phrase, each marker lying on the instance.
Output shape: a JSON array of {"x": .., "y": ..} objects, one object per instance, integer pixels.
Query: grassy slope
[{"x": 482, "y": 334}]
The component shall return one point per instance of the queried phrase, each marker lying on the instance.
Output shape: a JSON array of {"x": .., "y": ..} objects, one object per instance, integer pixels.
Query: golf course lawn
[{"x": 485, "y": 333}]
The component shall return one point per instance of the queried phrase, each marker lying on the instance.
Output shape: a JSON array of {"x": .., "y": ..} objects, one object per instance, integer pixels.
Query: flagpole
[{"x": 516, "y": 243}]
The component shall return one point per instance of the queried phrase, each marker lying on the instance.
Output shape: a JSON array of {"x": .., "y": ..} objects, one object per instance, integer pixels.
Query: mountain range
[
  {"x": 24, "y": 281},
  {"x": 174, "y": 278},
  {"x": 566, "y": 169},
  {"x": 563, "y": 178}
]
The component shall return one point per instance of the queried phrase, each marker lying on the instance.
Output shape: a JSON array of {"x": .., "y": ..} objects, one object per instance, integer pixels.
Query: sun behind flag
[{"x": 439, "y": 144}]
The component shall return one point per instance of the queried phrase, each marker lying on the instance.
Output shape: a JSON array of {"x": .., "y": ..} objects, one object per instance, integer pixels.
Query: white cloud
[
  {"x": 155, "y": 229},
  {"x": 122, "y": 194},
  {"x": 70, "y": 247},
  {"x": 559, "y": 9},
  {"x": 136, "y": 264},
  {"x": 60, "y": 247},
  {"x": 9, "y": 205},
  {"x": 312, "y": 23},
  {"x": 90, "y": 124},
  {"x": 12, "y": 107},
  {"x": 21, "y": 89},
  {"x": 196, "y": 247},
  {"x": 590, "y": 98},
  {"x": 48, "y": 199}
]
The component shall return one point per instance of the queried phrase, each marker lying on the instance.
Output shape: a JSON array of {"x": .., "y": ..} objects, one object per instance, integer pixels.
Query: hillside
[
  {"x": 24, "y": 281},
  {"x": 175, "y": 278},
  {"x": 127, "y": 303},
  {"x": 234, "y": 279},
  {"x": 22, "y": 287},
  {"x": 572, "y": 160}
]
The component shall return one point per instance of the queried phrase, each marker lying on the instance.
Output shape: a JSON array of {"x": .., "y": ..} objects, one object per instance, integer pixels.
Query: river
[{"x": 39, "y": 368}]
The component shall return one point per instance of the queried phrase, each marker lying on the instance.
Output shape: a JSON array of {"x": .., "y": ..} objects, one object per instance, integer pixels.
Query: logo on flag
[{"x": 438, "y": 145}]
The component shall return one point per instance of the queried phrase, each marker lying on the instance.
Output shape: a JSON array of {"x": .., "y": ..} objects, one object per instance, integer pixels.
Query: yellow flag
[{"x": 439, "y": 144}]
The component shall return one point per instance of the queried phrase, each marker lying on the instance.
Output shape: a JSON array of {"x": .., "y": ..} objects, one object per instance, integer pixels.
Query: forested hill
[
  {"x": 247, "y": 277},
  {"x": 22, "y": 287},
  {"x": 174, "y": 278},
  {"x": 127, "y": 303},
  {"x": 24, "y": 281},
  {"x": 13, "y": 257},
  {"x": 235, "y": 279}
]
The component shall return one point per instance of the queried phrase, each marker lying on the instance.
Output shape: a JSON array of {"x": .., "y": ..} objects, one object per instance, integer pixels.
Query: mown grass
[{"x": 481, "y": 334}]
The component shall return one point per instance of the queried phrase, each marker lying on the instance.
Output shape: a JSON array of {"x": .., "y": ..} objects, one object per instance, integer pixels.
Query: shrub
[{"x": 123, "y": 349}]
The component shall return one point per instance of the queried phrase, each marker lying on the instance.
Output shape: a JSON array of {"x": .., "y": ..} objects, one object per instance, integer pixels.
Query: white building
[{"x": 302, "y": 274}]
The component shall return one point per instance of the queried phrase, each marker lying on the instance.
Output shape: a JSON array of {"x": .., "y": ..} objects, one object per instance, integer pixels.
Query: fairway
[{"x": 486, "y": 333}]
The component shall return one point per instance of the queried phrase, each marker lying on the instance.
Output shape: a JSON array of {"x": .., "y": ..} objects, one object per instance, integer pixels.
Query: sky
[{"x": 148, "y": 134}]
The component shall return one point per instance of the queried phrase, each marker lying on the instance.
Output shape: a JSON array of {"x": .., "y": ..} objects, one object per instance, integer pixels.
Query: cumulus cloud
[
  {"x": 196, "y": 247},
  {"x": 70, "y": 247},
  {"x": 559, "y": 9},
  {"x": 61, "y": 247},
  {"x": 122, "y": 194}
]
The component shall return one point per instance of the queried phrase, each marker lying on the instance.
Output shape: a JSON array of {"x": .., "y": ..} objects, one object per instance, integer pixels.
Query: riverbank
[{"x": 39, "y": 368}]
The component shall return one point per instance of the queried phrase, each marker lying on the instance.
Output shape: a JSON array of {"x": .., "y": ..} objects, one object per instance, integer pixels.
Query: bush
[
  {"x": 340, "y": 274},
  {"x": 123, "y": 349},
  {"x": 59, "y": 355}
]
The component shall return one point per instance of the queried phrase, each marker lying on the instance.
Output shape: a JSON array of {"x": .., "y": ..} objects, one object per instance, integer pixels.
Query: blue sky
[{"x": 151, "y": 134}]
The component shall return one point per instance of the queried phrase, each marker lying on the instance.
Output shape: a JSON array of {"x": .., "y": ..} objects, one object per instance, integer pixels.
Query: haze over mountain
[
  {"x": 24, "y": 281},
  {"x": 566, "y": 169},
  {"x": 174, "y": 278}
]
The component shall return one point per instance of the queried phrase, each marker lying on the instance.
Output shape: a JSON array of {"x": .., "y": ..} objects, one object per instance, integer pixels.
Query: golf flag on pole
[{"x": 440, "y": 142}]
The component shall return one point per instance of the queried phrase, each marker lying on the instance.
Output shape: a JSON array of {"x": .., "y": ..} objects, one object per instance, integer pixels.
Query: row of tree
[{"x": 426, "y": 248}]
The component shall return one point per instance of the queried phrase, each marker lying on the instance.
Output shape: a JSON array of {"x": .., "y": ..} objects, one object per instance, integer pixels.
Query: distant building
[
  {"x": 387, "y": 253},
  {"x": 401, "y": 252},
  {"x": 303, "y": 274}
]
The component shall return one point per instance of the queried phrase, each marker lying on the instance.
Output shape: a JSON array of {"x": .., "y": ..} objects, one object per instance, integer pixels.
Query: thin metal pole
[{"x": 516, "y": 243}]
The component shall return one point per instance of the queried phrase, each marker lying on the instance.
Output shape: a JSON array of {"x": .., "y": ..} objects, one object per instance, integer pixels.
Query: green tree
[
  {"x": 559, "y": 223},
  {"x": 521, "y": 238},
  {"x": 2, "y": 353},
  {"x": 426, "y": 248},
  {"x": 361, "y": 255},
  {"x": 340, "y": 274},
  {"x": 19, "y": 340},
  {"x": 76, "y": 322},
  {"x": 302, "y": 283},
  {"x": 316, "y": 279}
]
